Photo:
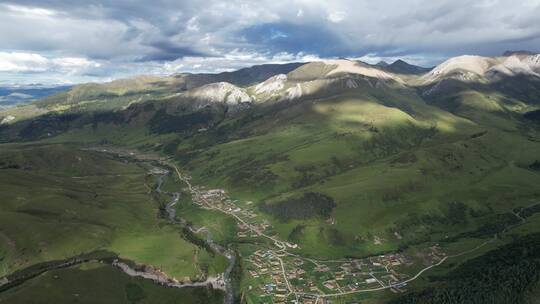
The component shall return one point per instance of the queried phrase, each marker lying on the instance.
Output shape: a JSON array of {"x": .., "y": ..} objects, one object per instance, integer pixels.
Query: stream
[{"x": 225, "y": 282}]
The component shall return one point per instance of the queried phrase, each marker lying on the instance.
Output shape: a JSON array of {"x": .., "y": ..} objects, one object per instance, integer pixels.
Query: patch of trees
[
  {"x": 3, "y": 129},
  {"x": 457, "y": 213},
  {"x": 529, "y": 211},
  {"x": 533, "y": 115},
  {"x": 520, "y": 87},
  {"x": 48, "y": 124},
  {"x": 237, "y": 127},
  {"x": 535, "y": 166},
  {"x": 505, "y": 275},
  {"x": 296, "y": 233},
  {"x": 162, "y": 122},
  {"x": 107, "y": 118},
  {"x": 257, "y": 177},
  {"x": 453, "y": 161},
  {"x": 393, "y": 141},
  {"x": 310, "y": 174},
  {"x": 405, "y": 158},
  {"x": 8, "y": 165},
  {"x": 335, "y": 237},
  {"x": 252, "y": 172},
  {"x": 170, "y": 147},
  {"x": 479, "y": 134},
  {"x": 396, "y": 193},
  {"x": 415, "y": 222},
  {"x": 420, "y": 227},
  {"x": 309, "y": 205},
  {"x": 496, "y": 224},
  {"x": 148, "y": 107}
]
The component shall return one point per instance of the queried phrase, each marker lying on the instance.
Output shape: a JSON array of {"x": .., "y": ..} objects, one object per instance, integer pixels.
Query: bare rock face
[
  {"x": 342, "y": 66},
  {"x": 294, "y": 92},
  {"x": 351, "y": 84},
  {"x": 271, "y": 85},
  {"x": 7, "y": 119},
  {"x": 221, "y": 92},
  {"x": 464, "y": 68},
  {"x": 477, "y": 68},
  {"x": 517, "y": 64}
]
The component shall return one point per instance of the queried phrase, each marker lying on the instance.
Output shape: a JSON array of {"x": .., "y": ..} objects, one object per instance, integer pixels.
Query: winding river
[{"x": 226, "y": 282}]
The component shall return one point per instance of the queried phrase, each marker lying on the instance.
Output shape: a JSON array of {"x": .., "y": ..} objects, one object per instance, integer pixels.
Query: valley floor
[{"x": 58, "y": 211}]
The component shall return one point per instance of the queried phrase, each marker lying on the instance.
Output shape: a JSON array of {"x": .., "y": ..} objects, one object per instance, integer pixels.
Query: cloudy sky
[{"x": 64, "y": 41}]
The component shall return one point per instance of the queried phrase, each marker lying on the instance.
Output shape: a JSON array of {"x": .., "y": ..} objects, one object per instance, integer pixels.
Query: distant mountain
[
  {"x": 243, "y": 77},
  {"x": 522, "y": 52},
  {"x": 12, "y": 96},
  {"x": 401, "y": 67},
  {"x": 124, "y": 91},
  {"x": 255, "y": 74},
  {"x": 334, "y": 67}
]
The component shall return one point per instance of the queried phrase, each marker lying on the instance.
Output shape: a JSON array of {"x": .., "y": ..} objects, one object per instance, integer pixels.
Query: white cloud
[
  {"x": 34, "y": 29},
  {"x": 336, "y": 17},
  {"x": 229, "y": 62},
  {"x": 31, "y": 62},
  {"x": 77, "y": 41},
  {"x": 29, "y": 11},
  {"x": 74, "y": 63},
  {"x": 22, "y": 62},
  {"x": 193, "y": 24}
]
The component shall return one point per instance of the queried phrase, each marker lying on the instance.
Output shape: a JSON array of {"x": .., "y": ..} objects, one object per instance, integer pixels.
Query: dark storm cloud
[
  {"x": 294, "y": 38},
  {"x": 125, "y": 37},
  {"x": 168, "y": 51}
]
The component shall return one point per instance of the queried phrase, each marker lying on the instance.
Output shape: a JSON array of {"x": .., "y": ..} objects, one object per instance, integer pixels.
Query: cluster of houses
[
  {"x": 218, "y": 199},
  {"x": 266, "y": 267},
  {"x": 282, "y": 277},
  {"x": 309, "y": 278}
]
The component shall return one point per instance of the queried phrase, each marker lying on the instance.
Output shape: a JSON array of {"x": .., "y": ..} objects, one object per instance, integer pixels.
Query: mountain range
[
  {"x": 342, "y": 158},
  {"x": 15, "y": 95}
]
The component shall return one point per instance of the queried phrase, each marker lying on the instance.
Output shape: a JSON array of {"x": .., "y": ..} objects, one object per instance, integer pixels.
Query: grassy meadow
[
  {"x": 59, "y": 201},
  {"x": 91, "y": 281}
]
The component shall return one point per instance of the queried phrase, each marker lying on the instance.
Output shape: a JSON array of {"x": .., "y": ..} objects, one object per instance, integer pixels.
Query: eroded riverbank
[{"x": 160, "y": 167}]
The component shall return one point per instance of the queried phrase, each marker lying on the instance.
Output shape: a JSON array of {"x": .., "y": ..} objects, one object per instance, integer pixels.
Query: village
[
  {"x": 280, "y": 276},
  {"x": 305, "y": 280}
]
